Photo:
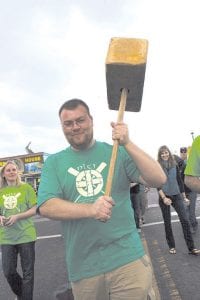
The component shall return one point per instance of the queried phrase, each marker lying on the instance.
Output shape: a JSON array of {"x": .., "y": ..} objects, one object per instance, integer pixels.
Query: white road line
[
  {"x": 152, "y": 205},
  {"x": 161, "y": 222},
  {"x": 48, "y": 236}
]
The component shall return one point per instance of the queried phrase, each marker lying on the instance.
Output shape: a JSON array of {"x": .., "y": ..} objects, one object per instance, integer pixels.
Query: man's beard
[{"x": 81, "y": 146}]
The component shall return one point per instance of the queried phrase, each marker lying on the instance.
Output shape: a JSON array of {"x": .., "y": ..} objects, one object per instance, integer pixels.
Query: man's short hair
[
  {"x": 72, "y": 104},
  {"x": 183, "y": 150}
]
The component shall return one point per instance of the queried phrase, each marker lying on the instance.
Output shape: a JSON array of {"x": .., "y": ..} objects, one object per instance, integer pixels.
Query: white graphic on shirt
[
  {"x": 88, "y": 182},
  {"x": 10, "y": 201}
]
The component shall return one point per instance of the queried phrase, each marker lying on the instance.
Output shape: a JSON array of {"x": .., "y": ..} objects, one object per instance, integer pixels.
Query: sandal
[
  {"x": 172, "y": 251},
  {"x": 194, "y": 252}
]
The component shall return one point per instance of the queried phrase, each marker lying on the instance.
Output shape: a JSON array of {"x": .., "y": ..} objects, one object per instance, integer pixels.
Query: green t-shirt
[
  {"x": 93, "y": 247},
  {"x": 193, "y": 162},
  {"x": 15, "y": 200}
]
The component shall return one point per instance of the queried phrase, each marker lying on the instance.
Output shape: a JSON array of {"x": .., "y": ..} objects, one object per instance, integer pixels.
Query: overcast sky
[{"x": 54, "y": 50}]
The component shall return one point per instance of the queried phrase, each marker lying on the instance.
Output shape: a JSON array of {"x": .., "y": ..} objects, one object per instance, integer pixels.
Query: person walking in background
[
  {"x": 101, "y": 239},
  {"x": 191, "y": 195},
  {"x": 192, "y": 170},
  {"x": 172, "y": 193},
  {"x": 138, "y": 193},
  {"x": 134, "y": 190},
  {"x": 17, "y": 230}
]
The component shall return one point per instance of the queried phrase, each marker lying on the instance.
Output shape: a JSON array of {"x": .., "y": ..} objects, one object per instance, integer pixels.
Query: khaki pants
[{"x": 129, "y": 282}]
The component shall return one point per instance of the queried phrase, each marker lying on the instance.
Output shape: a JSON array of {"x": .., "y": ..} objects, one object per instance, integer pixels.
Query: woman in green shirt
[{"x": 17, "y": 230}]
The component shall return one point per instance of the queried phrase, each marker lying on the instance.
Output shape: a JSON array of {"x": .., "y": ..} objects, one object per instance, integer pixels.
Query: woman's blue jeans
[{"x": 22, "y": 286}]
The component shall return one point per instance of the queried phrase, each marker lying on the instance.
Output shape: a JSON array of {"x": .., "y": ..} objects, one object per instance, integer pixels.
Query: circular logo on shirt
[{"x": 10, "y": 201}]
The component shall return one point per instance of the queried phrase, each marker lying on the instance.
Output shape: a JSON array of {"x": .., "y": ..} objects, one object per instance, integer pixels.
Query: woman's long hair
[
  {"x": 171, "y": 161},
  {"x": 3, "y": 181}
]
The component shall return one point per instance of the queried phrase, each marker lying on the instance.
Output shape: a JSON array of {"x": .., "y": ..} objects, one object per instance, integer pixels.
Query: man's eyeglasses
[
  {"x": 78, "y": 122},
  {"x": 183, "y": 150}
]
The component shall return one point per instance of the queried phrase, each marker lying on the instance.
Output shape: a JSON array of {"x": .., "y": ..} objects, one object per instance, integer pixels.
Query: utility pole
[{"x": 192, "y": 134}]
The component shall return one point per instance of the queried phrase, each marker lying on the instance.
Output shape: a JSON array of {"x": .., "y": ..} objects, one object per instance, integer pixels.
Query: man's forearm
[
  {"x": 60, "y": 209},
  {"x": 193, "y": 183}
]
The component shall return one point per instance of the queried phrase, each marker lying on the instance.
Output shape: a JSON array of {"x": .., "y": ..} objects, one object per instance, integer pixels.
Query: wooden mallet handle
[{"x": 120, "y": 117}]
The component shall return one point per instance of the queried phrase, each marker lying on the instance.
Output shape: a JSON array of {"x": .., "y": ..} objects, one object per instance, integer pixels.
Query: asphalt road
[{"x": 176, "y": 276}]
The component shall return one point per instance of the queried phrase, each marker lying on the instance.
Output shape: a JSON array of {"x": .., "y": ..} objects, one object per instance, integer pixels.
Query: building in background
[{"x": 30, "y": 166}]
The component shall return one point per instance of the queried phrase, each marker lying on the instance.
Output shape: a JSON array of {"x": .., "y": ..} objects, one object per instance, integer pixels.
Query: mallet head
[{"x": 125, "y": 68}]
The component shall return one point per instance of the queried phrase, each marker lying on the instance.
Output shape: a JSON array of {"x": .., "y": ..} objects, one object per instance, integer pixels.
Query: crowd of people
[{"x": 101, "y": 232}]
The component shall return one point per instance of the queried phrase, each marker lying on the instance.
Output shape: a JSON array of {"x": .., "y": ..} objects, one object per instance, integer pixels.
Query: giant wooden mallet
[{"x": 125, "y": 73}]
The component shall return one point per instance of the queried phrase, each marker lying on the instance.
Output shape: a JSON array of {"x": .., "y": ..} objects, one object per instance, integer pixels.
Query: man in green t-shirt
[
  {"x": 192, "y": 171},
  {"x": 104, "y": 253}
]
